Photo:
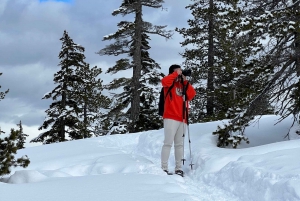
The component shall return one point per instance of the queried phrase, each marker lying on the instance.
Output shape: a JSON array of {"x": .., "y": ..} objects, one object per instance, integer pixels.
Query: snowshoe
[
  {"x": 168, "y": 173},
  {"x": 179, "y": 172}
]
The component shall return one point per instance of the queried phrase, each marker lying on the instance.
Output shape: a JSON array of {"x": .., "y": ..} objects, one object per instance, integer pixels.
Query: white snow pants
[{"x": 173, "y": 131}]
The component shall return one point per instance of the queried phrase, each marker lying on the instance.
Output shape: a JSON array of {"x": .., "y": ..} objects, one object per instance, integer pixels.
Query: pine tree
[
  {"x": 222, "y": 52},
  {"x": 278, "y": 26},
  {"x": 204, "y": 34},
  {"x": 75, "y": 96},
  {"x": 90, "y": 100},
  {"x": 21, "y": 136},
  {"x": 219, "y": 51},
  {"x": 8, "y": 149},
  {"x": 200, "y": 59},
  {"x": 131, "y": 39},
  {"x": 150, "y": 77},
  {"x": 240, "y": 65}
]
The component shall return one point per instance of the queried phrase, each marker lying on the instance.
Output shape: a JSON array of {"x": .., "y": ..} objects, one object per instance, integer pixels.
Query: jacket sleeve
[
  {"x": 169, "y": 79},
  {"x": 190, "y": 91}
]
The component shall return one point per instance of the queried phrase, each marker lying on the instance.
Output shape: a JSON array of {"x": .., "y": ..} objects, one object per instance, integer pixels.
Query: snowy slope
[{"x": 127, "y": 167}]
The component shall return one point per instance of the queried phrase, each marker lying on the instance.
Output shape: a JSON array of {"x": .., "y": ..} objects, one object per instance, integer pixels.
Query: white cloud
[{"x": 29, "y": 39}]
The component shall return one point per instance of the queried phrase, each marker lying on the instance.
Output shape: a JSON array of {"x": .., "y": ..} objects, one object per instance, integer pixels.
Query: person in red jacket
[{"x": 175, "y": 121}]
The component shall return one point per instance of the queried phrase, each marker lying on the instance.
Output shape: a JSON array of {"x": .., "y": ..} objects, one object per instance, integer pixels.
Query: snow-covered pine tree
[
  {"x": 131, "y": 39},
  {"x": 217, "y": 51},
  {"x": 90, "y": 100},
  {"x": 237, "y": 58},
  {"x": 203, "y": 52},
  {"x": 224, "y": 55},
  {"x": 278, "y": 29},
  {"x": 8, "y": 149},
  {"x": 150, "y": 78},
  {"x": 21, "y": 136},
  {"x": 70, "y": 96},
  {"x": 62, "y": 113}
]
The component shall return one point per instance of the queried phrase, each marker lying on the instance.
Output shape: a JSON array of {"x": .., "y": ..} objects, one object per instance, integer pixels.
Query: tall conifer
[
  {"x": 131, "y": 39},
  {"x": 217, "y": 49},
  {"x": 90, "y": 100},
  {"x": 77, "y": 97},
  {"x": 274, "y": 24}
]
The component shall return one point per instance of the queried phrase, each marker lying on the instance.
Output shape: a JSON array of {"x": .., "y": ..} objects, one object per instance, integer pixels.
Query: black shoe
[
  {"x": 169, "y": 173},
  {"x": 179, "y": 172}
]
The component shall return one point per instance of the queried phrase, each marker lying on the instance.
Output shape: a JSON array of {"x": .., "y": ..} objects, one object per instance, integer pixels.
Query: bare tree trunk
[
  {"x": 85, "y": 117},
  {"x": 137, "y": 61},
  {"x": 62, "y": 121},
  {"x": 210, "y": 73},
  {"x": 297, "y": 42}
]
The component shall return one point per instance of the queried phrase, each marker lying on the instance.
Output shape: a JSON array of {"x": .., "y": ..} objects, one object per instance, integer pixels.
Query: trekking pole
[
  {"x": 183, "y": 135},
  {"x": 183, "y": 128},
  {"x": 186, "y": 115},
  {"x": 189, "y": 138},
  {"x": 184, "y": 111},
  {"x": 191, "y": 158}
]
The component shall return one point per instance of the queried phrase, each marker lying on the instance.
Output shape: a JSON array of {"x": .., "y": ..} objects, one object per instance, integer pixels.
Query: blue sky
[{"x": 67, "y": 1}]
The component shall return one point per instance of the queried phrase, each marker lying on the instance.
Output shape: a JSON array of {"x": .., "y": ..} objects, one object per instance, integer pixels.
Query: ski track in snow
[
  {"x": 139, "y": 155},
  {"x": 198, "y": 190}
]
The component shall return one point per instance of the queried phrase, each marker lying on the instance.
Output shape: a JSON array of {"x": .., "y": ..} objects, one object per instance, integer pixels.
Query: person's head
[{"x": 173, "y": 68}]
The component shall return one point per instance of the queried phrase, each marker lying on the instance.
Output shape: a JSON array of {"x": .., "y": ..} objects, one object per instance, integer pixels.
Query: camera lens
[{"x": 187, "y": 72}]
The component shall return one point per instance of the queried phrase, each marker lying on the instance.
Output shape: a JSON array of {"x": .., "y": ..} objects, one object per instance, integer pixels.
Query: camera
[{"x": 187, "y": 72}]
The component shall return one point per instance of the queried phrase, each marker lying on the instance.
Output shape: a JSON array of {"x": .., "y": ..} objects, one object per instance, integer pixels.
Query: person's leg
[
  {"x": 178, "y": 146},
  {"x": 170, "y": 128}
]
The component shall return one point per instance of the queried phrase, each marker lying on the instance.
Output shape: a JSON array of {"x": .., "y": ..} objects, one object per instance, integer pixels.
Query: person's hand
[{"x": 179, "y": 71}]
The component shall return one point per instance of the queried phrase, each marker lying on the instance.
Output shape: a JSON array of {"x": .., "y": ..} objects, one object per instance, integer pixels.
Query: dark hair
[{"x": 172, "y": 67}]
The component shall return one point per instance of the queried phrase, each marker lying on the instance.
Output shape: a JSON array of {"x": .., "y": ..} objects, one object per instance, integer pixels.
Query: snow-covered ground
[{"x": 127, "y": 168}]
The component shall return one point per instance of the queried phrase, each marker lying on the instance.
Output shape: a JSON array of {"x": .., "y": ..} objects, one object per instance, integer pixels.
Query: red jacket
[{"x": 174, "y": 101}]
